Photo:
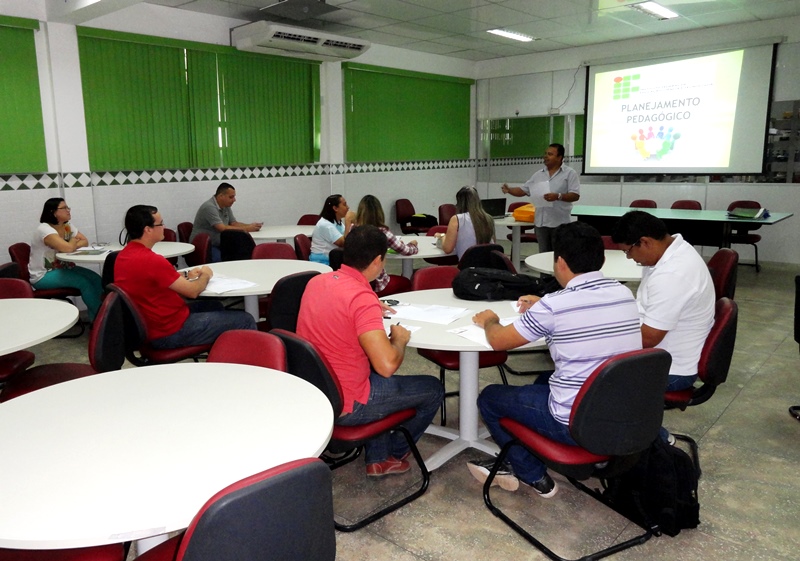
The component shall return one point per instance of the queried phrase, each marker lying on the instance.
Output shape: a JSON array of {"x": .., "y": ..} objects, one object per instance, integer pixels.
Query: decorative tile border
[{"x": 19, "y": 182}]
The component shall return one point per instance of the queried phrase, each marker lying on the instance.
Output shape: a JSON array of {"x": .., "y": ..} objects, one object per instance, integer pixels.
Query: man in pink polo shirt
[{"x": 342, "y": 316}]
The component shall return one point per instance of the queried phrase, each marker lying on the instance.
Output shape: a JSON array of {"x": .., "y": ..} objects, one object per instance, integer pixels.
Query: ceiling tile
[
  {"x": 496, "y": 15},
  {"x": 454, "y": 23},
  {"x": 434, "y": 47},
  {"x": 394, "y": 9},
  {"x": 357, "y": 19},
  {"x": 381, "y": 38},
  {"x": 449, "y": 5},
  {"x": 547, "y": 9},
  {"x": 414, "y": 31}
]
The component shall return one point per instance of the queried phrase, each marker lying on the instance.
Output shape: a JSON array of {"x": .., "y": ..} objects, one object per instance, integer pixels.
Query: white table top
[
  {"x": 29, "y": 321},
  {"x": 511, "y": 223},
  {"x": 272, "y": 233},
  {"x": 617, "y": 266},
  {"x": 165, "y": 249},
  {"x": 135, "y": 453},
  {"x": 435, "y": 336},
  {"x": 427, "y": 248},
  {"x": 264, "y": 272}
]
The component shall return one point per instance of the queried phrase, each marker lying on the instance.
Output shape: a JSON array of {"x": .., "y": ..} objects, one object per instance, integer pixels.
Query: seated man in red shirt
[
  {"x": 159, "y": 290},
  {"x": 343, "y": 318}
]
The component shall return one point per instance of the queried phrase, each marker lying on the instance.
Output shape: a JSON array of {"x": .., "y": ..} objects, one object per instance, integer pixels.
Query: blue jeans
[
  {"x": 207, "y": 320},
  {"x": 526, "y": 405},
  {"x": 216, "y": 254},
  {"x": 387, "y": 395},
  {"x": 88, "y": 282},
  {"x": 675, "y": 383}
]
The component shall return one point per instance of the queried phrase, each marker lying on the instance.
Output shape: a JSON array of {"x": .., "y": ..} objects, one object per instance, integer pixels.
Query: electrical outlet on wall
[{"x": 554, "y": 111}]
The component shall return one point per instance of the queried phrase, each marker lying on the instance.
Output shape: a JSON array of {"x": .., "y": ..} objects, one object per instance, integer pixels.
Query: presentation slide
[{"x": 694, "y": 115}]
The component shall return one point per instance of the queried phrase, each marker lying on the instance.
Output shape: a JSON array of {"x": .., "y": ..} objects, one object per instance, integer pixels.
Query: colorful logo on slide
[
  {"x": 624, "y": 86},
  {"x": 655, "y": 145}
]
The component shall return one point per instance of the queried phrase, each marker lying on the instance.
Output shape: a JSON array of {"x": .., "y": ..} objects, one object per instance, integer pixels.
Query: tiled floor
[{"x": 749, "y": 449}]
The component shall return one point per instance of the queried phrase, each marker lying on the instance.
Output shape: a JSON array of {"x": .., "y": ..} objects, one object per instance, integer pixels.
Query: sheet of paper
[
  {"x": 220, "y": 284},
  {"x": 90, "y": 251},
  {"x": 441, "y": 315},
  {"x": 473, "y": 333},
  {"x": 411, "y": 328},
  {"x": 538, "y": 192}
]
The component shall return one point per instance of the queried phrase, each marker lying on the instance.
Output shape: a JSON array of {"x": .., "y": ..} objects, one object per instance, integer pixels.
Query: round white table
[
  {"x": 516, "y": 236},
  {"x": 30, "y": 321},
  {"x": 427, "y": 249},
  {"x": 437, "y": 337},
  {"x": 281, "y": 233},
  {"x": 617, "y": 265},
  {"x": 263, "y": 272},
  {"x": 135, "y": 453},
  {"x": 165, "y": 249}
]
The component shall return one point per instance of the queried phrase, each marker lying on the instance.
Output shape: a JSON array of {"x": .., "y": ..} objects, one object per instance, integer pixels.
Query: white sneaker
[{"x": 505, "y": 477}]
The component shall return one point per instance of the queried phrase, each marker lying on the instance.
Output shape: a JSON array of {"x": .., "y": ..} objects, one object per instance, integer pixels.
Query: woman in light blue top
[
  {"x": 470, "y": 226},
  {"x": 334, "y": 223}
]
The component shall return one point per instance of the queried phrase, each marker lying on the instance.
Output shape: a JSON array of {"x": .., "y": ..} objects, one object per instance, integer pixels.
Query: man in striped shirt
[{"x": 592, "y": 319}]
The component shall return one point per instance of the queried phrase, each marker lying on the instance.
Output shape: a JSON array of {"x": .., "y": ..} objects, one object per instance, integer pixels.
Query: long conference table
[
  {"x": 135, "y": 453},
  {"x": 699, "y": 227}
]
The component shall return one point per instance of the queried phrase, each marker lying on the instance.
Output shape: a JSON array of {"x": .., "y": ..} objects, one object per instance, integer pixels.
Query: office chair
[
  {"x": 643, "y": 203},
  {"x": 615, "y": 416},
  {"x": 302, "y": 247},
  {"x": 185, "y": 232},
  {"x": 236, "y": 245},
  {"x": 446, "y": 212},
  {"x": 286, "y": 297},
  {"x": 282, "y": 513},
  {"x": 14, "y": 287},
  {"x": 722, "y": 267},
  {"x": 480, "y": 256},
  {"x": 686, "y": 204},
  {"x": 404, "y": 210},
  {"x": 308, "y": 220},
  {"x": 202, "y": 251},
  {"x": 306, "y": 363},
  {"x": 742, "y": 234},
  {"x": 245, "y": 346}
]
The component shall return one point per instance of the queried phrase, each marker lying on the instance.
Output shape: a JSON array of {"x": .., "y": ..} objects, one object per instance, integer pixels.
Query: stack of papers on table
[
  {"x": 220, "y": 284},
  {"x": 90, "y": 251},
  {"x": 477, "y": 334},
  {"x": 432, "y": 314}
]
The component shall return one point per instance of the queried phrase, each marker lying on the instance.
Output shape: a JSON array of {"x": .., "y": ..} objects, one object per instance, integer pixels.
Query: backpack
[
  {"x": 422, "y": 221},
  {"x": 481, "y": 283},
  {"x": 660, "y": 491}
]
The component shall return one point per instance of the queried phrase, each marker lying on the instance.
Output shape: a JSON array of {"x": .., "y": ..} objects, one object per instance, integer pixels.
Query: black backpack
[
  {"x": 480, "y": 283},
  {"x": 423, "y": 221},
  {"x": 660, "y": 491}
]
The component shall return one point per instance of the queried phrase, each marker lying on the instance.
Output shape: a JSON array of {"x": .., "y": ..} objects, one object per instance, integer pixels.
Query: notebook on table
[
  {"x": 752, "y": 213},
  {"x": 496, "y": 208}
]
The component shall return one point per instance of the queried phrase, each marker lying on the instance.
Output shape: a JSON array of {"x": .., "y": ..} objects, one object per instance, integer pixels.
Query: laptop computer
[{"x": 496, "y": 208}]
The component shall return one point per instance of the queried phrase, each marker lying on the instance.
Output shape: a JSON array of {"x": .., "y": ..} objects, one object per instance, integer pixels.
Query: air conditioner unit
[{"x": 278, "y": 39}]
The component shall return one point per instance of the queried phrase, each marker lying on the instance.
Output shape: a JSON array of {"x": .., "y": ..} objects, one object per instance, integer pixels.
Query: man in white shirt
[
  {"x": 676, "y": 296},
  {"x": 563, "y": 189}
]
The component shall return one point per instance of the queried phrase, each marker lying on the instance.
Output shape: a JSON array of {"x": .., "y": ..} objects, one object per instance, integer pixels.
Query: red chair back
[
  {"x": 404, "y": 210},
  {"x": 308, "y": 220},
  {"x": 433, "y": 277},
  {"x": 723, "y": 266},
  {"x": 302, "y": 247},
  {"x": 185, "y": 231},
  {"x": 500, "y": 260},
  {"x": 171, "y": 236},
  {"x": 21, "y": 255},
  {"x": 244, "y": 346},
  {"x": 715, "y": 359},
  {"x": 274, "y": 250},
  {"x": 15, "y": 288},
  {"x": 643, "y": 203},
  {"x": 397, "y": 284},
  {"x": 479, "y": 255},
  {"x": 687, "y": 204},
  {"x": 446, "y": 212},
  {"x": 202, "y": 251}
]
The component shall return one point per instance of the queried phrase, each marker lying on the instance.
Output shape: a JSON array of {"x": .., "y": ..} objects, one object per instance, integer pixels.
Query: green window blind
[
  {"x": 527, "y": 137},
  {"x": 270, "y": 110},
  {"x": 580, "y": 125},
  {"x": 394, "y": 115},
  {"x": 22, "y": 147},
  {"x": 163, "y": 104},
  {"x": 136, "y": 103}
]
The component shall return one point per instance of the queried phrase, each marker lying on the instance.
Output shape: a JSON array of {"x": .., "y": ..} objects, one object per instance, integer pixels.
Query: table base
[{"x": 458, "y": 445}]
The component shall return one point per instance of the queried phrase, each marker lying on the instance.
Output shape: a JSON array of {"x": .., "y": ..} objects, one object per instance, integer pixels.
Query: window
[
  {"x": 22, "y": 148},
  {"x": 396, "y": 115}
]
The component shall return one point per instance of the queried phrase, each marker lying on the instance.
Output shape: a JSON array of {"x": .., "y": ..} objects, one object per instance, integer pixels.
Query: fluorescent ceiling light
[
  {"x": 512, "y": 35},
  {"x": 654, "y": 9}
]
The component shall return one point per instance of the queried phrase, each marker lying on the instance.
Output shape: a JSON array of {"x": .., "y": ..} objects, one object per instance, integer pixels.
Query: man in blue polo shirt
[{"x": 592, "y": 319}]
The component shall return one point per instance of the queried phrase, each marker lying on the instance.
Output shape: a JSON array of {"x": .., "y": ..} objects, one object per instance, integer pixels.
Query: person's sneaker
[
  {"x": 545, "y": 487},
  {"x": 390, "y": 466},
  {"x": 505, "y": 478},
  {"x": 671, "y": 439}
]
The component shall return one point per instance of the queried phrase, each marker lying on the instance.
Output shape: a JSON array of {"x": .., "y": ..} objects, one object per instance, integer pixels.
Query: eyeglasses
[
  {"x": 63, "y": 208},
  {"x": 158, "y": 225},
  {"x": 628, "y": 251}
]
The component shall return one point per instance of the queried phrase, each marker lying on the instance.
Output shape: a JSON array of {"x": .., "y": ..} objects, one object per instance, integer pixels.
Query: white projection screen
[{"x": 697, "y": 114}]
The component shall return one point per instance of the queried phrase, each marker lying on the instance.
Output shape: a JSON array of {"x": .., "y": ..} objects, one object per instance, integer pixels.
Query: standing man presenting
[
  {"x": 215, "y": 216},
  {"x": 558, "y": 185},
  {"x": 159, "y": 290},
  {"x": 342, "y": 316}
]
